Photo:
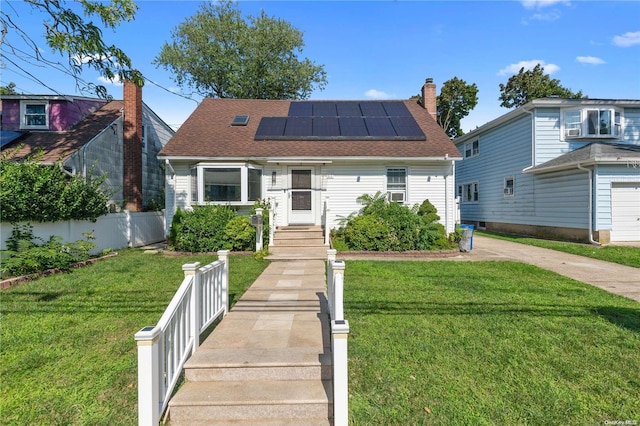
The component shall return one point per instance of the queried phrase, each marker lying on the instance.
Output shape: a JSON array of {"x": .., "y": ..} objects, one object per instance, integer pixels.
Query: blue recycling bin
[{"x": 466, "y": 242}]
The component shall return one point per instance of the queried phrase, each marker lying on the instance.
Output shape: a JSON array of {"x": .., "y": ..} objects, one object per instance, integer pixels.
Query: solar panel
[
  {"x": 326, "y": 126},
  {"x": 396, "y": 109},
  {"x": 324, "y": 109},
  {"x": 407, "y": 127},
  {"x": 342, "y": 120},
  {"x": 300, "y": 109},
  {"x": 349, "y": 109},
  {"x": 298, "y": 127},
  {"x": 372, "y": 109},
  {"x": 353, "y": 127},
  {"x": 271, "y": 128},
  {"x": 379, "y": 127}
]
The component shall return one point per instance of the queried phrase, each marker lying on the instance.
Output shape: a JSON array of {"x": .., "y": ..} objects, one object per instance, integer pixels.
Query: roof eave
[{"x": 307, "y": 158}]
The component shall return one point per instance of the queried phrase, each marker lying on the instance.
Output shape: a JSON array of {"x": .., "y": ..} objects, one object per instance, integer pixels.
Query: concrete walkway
[{"x": 268, "y": 361}]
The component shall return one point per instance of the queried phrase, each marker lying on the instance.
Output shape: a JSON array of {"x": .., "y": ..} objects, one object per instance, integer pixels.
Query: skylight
[{"x": 240, "y": 120}]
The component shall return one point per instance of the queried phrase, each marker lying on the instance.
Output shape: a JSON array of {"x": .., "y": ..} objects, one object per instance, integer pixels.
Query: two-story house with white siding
[
  {"x": 555, "y": 168},
  {"x": 311, "y": 159},
  {"x": 88, "y": 136}
]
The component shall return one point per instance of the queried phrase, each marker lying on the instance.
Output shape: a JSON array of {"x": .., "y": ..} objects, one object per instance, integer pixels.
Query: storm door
[{"x": 301, "y": 195}]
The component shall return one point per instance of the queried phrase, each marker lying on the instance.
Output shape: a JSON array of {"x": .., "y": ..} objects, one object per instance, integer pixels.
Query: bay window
[{"x": 236, "y": 184}]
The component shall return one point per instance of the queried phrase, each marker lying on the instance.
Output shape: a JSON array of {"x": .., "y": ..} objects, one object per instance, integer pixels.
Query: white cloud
[
  {"x": 590, "y": 60},
  {"x": 627, "y": 39},
  {"x": 528, "y": 65},
  {"x": 549, "y": 17},
  {"x": 539, "y": 4},
  {"x": 116, "y": 80},
  {"x": 377, "y": 94}
]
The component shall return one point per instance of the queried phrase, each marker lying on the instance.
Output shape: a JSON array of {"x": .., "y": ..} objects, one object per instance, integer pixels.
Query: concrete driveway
[{"x": 614, "y": 278}]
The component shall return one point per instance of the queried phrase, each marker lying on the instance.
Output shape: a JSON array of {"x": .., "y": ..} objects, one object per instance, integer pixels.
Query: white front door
[{"x": 301, "y": 196}]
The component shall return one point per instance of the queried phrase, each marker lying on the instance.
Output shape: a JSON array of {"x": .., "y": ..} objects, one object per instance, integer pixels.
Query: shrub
[
  {"x": 30, "y": 191},
  {"x": 24, "y": 256},
  {"x": 203, "y": 229},
  {"x": 384, "y": 225},
  {"x": 367, "y": 233},
  {"x": 239, "y": 234}
]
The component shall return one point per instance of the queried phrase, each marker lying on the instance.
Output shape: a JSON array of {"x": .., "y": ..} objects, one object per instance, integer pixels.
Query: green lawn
[
  {"x": 67, "y": 353},
  {"x": 487, "y": 343},
  {"x": 624, "y": 255}
]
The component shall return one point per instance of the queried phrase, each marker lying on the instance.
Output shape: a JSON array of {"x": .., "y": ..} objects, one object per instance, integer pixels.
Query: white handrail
[
  {"x": 325, "y": 216},
  {"x": 339, "y": 339},
  {"x": 163, "y": 349}
]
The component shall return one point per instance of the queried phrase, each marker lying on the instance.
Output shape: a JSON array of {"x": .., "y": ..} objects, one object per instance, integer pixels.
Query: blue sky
[{"x": 386, "y": 49}]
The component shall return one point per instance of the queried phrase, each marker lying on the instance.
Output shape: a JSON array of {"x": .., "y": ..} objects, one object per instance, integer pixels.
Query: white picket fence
[
  {"x": 339, "y": 338},
  {"x": 112, "y": 231},
  {"x": 202, "y": 298}
]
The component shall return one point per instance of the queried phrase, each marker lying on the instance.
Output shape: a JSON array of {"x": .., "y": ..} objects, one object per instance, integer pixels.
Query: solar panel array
[{"x": 342, "y": 120}]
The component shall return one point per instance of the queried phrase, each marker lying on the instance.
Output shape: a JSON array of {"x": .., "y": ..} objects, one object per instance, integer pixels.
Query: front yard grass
[
  {"x": 67, "y": 353},
  {"x": 624, "y": 255},
  {"x": 486, "y": 343}
]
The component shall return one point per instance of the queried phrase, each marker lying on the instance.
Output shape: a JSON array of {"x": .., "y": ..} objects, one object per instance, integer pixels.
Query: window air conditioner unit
[
  {"x": 572, "y": 132},
  {"x": 396, "y": 196}
]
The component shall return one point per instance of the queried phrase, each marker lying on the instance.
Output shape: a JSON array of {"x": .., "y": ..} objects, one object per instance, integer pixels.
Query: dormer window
[
  {"x": 592, "y": 123},
  {"x": 34, "y": 115}
]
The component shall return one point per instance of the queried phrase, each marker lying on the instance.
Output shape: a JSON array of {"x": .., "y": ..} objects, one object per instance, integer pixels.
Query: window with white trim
[
  {"x": 237, "y": 184},
  {"x": 397, "y": 184},
  {"x": 469, "y": 192},
  {"x": 592, "y": 122},
  {"x": 471, "y": 149},
  {"x": 509, "y": 186},
  {"x": 34, "y": 114}
]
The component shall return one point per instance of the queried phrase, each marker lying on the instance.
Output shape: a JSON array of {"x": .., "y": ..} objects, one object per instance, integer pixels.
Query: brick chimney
[
  {"x": 429, "y": 97},
  {"x": 132, "y": 147}
]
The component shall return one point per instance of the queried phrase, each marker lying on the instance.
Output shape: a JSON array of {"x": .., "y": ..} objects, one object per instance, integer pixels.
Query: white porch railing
[
  {"x": 339, "y": 335},
  {"x": 325, "y": 222},
  {"x": 202, "y": 297},
  {"x": 272, "y": 219}
]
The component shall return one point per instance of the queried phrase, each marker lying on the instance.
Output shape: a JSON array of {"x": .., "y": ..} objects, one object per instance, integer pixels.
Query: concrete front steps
[
  {"x": 268, "y": 362},
  {"x": 298, "y": 242}
]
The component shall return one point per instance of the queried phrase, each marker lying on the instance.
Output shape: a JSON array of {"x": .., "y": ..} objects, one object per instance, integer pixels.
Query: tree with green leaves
[
  {"x": 9, "y": 89},
  {"x": 455, "y": 101},
  {"x": 218, "y": 53},
  {"x": 72, "y": 34},
  {"x": 532, "y": 84}
]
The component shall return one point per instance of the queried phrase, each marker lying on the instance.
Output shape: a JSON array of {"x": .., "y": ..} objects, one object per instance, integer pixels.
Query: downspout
[
  {"x": 71, "y": 173},
  {"x": 167, "y": 225},
  {"x": 446, "y": 195},
  {"x": 591, "y": 240}
]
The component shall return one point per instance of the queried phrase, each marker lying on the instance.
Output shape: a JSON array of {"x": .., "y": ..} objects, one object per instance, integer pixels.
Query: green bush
[
  {"x": 202, "y": 230},
  {"x": 367, "y": 233},
  {"x": 384, "y": 225},
  {"x": 239, "y": 235},
  {"x": 216, "y": 227},
  {"x": 31, "y": 191},
  {"x": 25, "y": 256}
]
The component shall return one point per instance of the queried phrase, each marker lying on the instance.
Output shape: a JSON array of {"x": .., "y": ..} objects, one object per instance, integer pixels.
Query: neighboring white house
[
  {"x": 308, "y": 156},
  {"x": 556, "y": 168}
]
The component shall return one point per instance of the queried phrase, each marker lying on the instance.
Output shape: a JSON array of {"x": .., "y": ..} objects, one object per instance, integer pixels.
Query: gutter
[{"x": 590, "y": 172}]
